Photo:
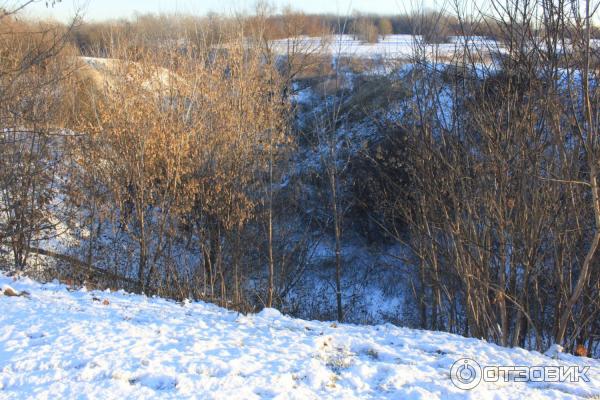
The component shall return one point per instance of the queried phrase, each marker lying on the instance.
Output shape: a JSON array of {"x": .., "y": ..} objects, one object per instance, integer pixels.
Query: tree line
[{"x": 185, "y": 29}]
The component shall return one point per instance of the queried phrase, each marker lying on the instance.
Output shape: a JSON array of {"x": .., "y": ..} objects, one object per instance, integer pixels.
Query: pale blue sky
[{"x": 103, "y": 9}]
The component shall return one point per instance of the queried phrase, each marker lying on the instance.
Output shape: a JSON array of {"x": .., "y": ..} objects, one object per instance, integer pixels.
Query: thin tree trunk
[
  {"x": 338, "y": 245},
  {"x": 270, "y": 229}
]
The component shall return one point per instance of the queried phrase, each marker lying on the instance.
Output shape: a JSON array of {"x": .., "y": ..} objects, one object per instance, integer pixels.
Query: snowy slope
[{"x": 65, "y": 344}]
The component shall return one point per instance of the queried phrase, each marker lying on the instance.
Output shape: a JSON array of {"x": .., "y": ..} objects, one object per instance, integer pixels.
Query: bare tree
[{"x": 35, "y": 64}]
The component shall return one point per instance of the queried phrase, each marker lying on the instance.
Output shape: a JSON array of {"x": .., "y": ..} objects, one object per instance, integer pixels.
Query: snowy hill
[{"x": 58, "y": 343}]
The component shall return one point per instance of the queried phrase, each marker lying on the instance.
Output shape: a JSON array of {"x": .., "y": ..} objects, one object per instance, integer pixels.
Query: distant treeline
[{"x": 97, "y": 37}]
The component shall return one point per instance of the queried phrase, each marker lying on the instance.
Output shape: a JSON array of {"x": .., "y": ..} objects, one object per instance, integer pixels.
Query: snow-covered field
[
  {"x": 390, "y": 46},
  {"x": 58, "y": 343}
]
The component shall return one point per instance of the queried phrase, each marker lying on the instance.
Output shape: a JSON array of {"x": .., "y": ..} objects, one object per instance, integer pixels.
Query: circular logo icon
[{"x": 465, "y": 374}]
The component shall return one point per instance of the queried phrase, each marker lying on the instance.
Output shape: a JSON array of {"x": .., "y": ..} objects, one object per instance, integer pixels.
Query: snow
[
  {"x": 63, "y": 343},
  {"x": 388, "y": 47}
]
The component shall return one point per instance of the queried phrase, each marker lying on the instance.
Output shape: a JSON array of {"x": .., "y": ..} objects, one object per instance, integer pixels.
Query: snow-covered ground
[
  {"x": 60, "y": 343},
  {"x": 390, "y": 46}
]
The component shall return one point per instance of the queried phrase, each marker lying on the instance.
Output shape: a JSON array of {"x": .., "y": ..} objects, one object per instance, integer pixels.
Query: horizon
[{"x": 96, "y": 10}]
